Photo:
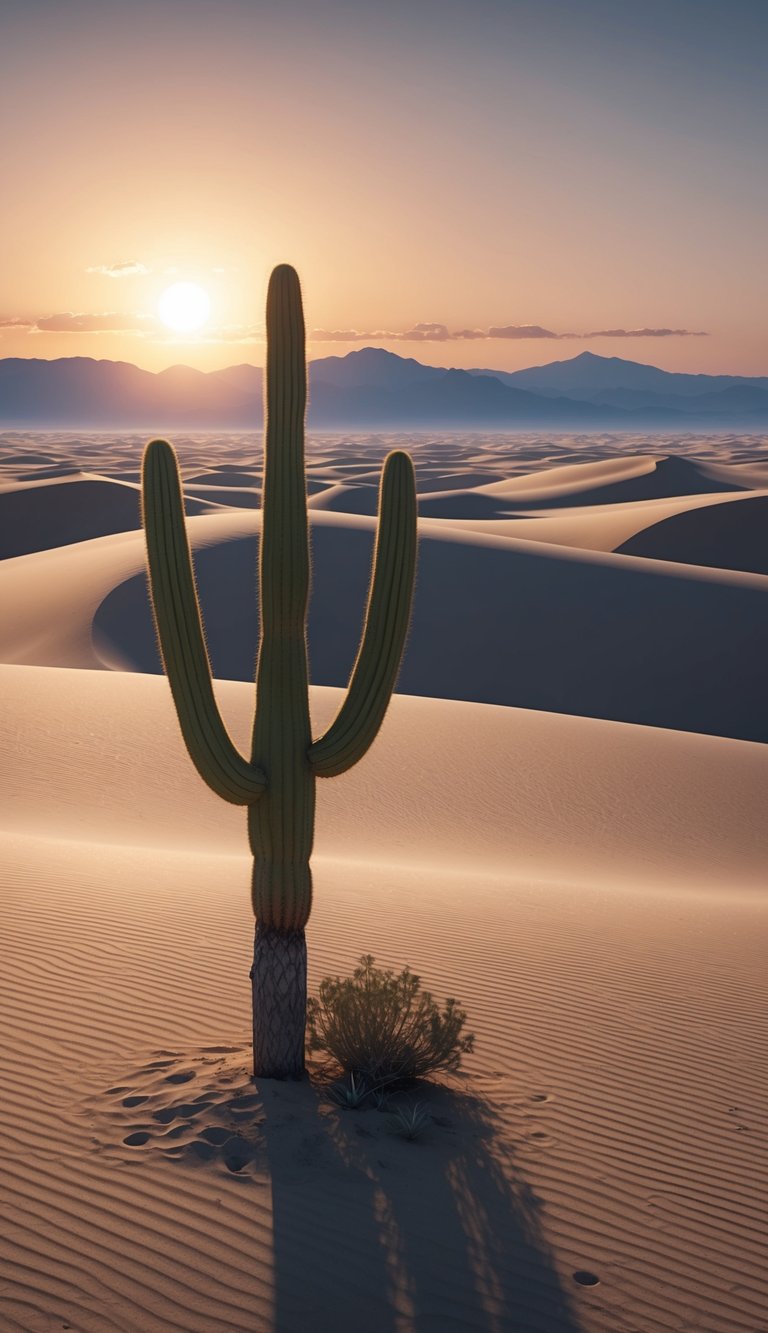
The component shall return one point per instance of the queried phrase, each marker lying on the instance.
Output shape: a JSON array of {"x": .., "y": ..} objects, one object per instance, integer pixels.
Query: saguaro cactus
[{"x": 277, "y": 784}]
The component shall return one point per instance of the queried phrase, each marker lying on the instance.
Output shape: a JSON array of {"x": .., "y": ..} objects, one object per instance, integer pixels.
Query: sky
[{"x": 495, "y": 183}]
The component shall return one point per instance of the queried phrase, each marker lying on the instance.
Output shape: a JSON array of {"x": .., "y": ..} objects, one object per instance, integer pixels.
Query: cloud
[
  {"x": 71, "y": 323},
  {"x": 236, "y": 333},
  {"x": 645, "y": 333},
  {"x": 337, "y": 336},
  {"x": 525, "y": 331},
  {"x": 129, "y": 268},
  {"x": 419, "y": 333},
  {"x": 433, "y": 332}
]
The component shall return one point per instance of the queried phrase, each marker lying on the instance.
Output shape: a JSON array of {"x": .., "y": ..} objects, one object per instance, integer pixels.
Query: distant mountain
[
  {"x": 375, "y": 389},
  {"x": 588, "y": 372},
  {"x": 370, "y": 388},
  {"x": 371, "y": 368},
  {"x": 631, "y": 386},
  {"x": 80, "y": 392},
  {"x": 378, "y": 389}
]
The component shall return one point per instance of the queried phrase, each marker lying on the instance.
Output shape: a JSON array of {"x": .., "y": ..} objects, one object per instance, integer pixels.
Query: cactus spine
[{"x": 277, "y": 784}]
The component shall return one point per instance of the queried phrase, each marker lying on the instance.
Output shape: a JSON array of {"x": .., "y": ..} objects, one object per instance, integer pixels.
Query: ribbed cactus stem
[
  {"x": 281, "y": 826},
  {"x": 386, "y": 625},
  {"x": 180, "y": 633},
  {"x": 278, "y": 784}
]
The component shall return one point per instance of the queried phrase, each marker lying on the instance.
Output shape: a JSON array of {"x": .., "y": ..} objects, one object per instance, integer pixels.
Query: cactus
[{"x": 277, "y": 784}]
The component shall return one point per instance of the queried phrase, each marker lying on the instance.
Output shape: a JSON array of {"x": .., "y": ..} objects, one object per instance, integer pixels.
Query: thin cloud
[
  {"x": 433, "y": 332},
  {"x": 525, "y": 331},
  {"x": 645, "y": 333},
  {"x": 230, "y": 334},
  {"x": 424, "y": 332},
  {"x": 428, "y": 333},
  {"x": 420, "y": 333},
  {"x": 129, "y": 268},
  {"x": 339, "y": 335},
  {"x": 68, "y": 322}
]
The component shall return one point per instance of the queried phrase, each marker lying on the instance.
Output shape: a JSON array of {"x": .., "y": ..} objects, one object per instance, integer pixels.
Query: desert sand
[{"x": 562, "y": 823}]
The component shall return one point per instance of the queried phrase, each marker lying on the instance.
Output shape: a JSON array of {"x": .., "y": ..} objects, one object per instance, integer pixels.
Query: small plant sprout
[
  {"x": 349, "y": 1092},
  {"x": 410, "y": 1122}
]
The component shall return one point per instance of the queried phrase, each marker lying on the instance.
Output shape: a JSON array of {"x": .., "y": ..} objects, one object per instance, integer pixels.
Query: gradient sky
[{"x": 431, "y": 168}]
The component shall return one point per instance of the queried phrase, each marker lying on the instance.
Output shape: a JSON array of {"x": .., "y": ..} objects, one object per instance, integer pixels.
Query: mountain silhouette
[
  {"x": 372, "y": 388},
  {"x": 632, "y": 385}
]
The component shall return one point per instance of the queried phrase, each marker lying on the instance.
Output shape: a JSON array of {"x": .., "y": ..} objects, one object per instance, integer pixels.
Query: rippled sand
[{"x": 562, "y": 823}]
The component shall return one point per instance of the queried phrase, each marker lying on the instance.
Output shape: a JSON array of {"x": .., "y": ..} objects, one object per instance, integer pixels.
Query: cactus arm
[
  {"x": 386, "y": 626},
  {"x": 180, "y": 633}
]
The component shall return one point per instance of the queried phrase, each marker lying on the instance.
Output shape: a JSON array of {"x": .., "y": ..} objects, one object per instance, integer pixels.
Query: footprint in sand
[
  {"x": 237, "y": 1153},
  {"x": 185, "y": 1111},
  {"x": 541, "y": 1139},
  {"x": 244, "y": 1104},
  {"x": 216, "y": 1134}
]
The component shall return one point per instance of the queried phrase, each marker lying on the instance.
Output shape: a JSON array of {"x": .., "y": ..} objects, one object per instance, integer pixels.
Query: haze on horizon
[{"x": 498, "y": 184}]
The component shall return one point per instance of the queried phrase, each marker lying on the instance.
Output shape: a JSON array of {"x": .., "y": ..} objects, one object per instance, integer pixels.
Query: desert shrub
[
  {"x": 383, "y": 1028},
  {"x": 410, "y": 1122}
]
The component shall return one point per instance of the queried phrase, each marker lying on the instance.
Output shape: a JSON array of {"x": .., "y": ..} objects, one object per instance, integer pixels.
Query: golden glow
[
  {"x": 196, "y": 183},
  {"x": 184, "y": 307}
]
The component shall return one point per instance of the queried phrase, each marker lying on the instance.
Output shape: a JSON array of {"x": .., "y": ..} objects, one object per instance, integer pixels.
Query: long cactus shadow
[{"x": 374, "y": 1232}]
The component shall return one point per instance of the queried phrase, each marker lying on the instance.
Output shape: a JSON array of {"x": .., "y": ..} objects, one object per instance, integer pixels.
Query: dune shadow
[
  {"x": 719, "y": 536},
  {"x": 644, "y": 641}
]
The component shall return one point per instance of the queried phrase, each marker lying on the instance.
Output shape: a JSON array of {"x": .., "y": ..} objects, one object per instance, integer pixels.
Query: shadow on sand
[{"x": 372, "y": 1231}]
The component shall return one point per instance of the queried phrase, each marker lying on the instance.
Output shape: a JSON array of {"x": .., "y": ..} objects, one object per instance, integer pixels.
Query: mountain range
[{"x": 375, "y": 389}]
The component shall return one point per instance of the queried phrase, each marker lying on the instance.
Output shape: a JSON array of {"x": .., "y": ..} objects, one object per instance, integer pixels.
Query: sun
[{"x": 184, "y": 307}]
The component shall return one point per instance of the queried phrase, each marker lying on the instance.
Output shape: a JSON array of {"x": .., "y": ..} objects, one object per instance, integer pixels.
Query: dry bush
[{"x": 383, "y": 1028}]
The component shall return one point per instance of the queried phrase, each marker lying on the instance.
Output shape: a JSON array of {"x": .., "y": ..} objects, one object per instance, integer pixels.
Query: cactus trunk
[
  {"x": 281, "y": 825},
  {"x": 279, "y": 992},
  {"x": 277, "y": 784}
]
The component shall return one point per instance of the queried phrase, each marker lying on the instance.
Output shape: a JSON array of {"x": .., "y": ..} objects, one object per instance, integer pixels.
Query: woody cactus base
[{"x": 277, "y": 783}]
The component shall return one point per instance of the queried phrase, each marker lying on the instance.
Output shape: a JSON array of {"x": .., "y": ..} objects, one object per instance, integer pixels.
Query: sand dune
[
  {"x": 720, "y": 536},
  {"x": 347, "y": 499},
  {"x": 42, "y": 515},
  {"x": 643, "y": 528},
  {"x": 608, "y": 1126},
  {"x": 613, "y": 481},
  {"x": 593, "y": 891},
  {"x": 645, "y": 641},
  {"x": 542, "y": 797}
]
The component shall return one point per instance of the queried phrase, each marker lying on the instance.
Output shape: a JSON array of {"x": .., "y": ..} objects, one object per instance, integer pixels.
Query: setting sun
[{"x": 184, "y": 307}]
